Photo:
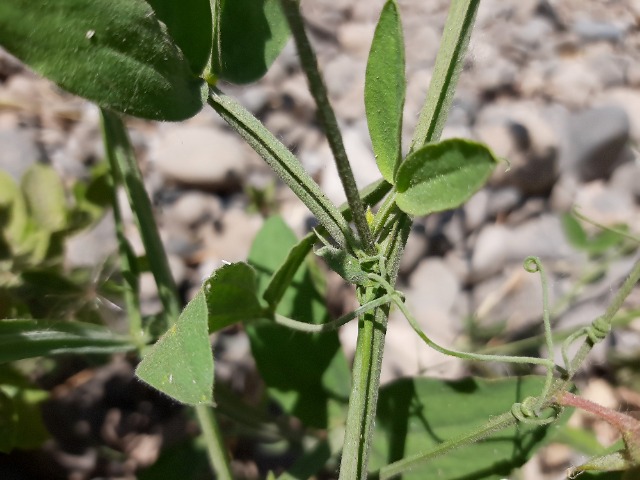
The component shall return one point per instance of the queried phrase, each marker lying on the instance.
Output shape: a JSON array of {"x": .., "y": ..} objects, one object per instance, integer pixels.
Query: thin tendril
[{"x": 596, "y": 332}]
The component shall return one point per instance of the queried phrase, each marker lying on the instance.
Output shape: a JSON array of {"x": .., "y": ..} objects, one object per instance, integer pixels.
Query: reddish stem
[{"x": 628, "y": 426}]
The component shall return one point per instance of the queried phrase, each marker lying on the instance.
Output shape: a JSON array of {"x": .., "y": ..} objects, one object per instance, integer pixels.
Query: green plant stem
[
  {"x": 214, "y": 441},
  {"x": 328, "y": 120},
  {"x": 284, "y": 164},
  {"x": 494, "y": 425},
  {"x": 453, "y": 46},
  {"x": 367, "y": 366},
  {"x": 127, "y": 265},
  {"x": 121, "y": 155}
]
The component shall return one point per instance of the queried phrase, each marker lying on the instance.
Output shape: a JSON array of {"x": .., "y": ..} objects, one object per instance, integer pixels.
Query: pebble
[
  {"x": 201, "y": 157},
  {"x": 597, "y": 141},
  {"x": 19, "y": 151}
]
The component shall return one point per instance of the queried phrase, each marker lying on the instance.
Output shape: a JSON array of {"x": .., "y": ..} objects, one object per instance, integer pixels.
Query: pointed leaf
[
  {"x": 416, "y": 415},
  {"x": 33, "y": 338},
  {"x": 190, "y": 25},
  {"x": 385, "y": 90},
  {"x": 180, "y": 364},
  {"x": 282, "y": 278},
  {"x": 249, "y": 35},
  {"x": 116, "y": 53},
  {"x": 303, "y": 372},
  {"x": 441, "y": 176},
  {"x": 231, "y": 294}
]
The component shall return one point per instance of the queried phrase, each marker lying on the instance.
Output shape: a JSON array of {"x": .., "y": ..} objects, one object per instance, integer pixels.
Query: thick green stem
[
  {"x": 367, "y": 366},
  {"x": 284, "y": 164},
  {"x": 328, "y": 120},
  {"x": 127, "y": 262},
  {"x": 120, "y": 154},
  {"x": 214, "y": 441}
]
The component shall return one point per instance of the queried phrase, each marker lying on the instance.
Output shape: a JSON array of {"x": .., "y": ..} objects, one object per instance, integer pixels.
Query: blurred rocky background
[{"x": 552, "y": 86}]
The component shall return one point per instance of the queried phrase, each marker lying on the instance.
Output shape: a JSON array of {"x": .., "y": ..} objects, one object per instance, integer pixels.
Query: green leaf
[
  {"x": 21, "y": 423},
  {"x": 22, "y": 338},
  {"x": 283, "y": 277},
  {"x": 13, "y": 209},
  {"x": 249, "y": 35},
  {"x": 441, "y": 176},
  {"x": 180, "y": 364},
  {"x": 116, "y": 53},
  {"x": 416, "y": 415},
  {"x": 190, "y": 25},
  {"x": 303, "y": 372},
  {"x": 231, "y": 294},
  {"x": 46, "y": 198},
  {"x": 574, "y": 232},
  {"x": 446, "y": 71},
  {"x": 385, "y": 90}
]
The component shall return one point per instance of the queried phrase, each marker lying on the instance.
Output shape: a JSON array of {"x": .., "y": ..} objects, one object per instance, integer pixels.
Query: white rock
[
  {"x": 199, "y": 156},
  {"x": 490, "y": 252},
  {"x": 432, "y": 287},
  {"x": 628, "y": 99},
  {"x": 363, "y": 165}
]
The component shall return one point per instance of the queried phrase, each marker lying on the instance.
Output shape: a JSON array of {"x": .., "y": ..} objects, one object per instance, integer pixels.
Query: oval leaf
[
  {"x": 232, "y": 296},
  {"x": 180, "y": 364},
  {"x": 416, "y": 415},
  {"x": 385, "y": 90},
  {"x": 249, "y": 35},
  {"x": 116, "y": 53},
  {"x": 190, "y": 24},
  {"x": 441, "y": 176}
]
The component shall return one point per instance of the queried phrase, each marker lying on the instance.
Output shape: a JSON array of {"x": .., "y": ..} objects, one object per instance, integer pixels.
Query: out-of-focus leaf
[
  {"x": 45, "y": 196},
  {"x": 26, "y": 338},
  {"x": 180, "y": 364},
  {"x": 115, "y": 53}
]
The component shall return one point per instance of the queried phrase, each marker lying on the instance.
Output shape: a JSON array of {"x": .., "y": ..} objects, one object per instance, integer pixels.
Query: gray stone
[
  {"x": 192, "y": 208},
  {"x": 362, "y": 161},
  {"x": 610, "y": 68},
  {"x": 91, "y": 247},
  {"x": 198, "y": 156},
  {"x": 19, "y": 151},
  {"x": 542, "y": 236},
  {"x": 592, "y": 30},
  {"x": 597, "y": 142},
  {"x": 415, "y": 249},
  {"x": 626, "y": 178},
  {"x": 512, "y": 299},
  {"x": 519, "y": 133},
  {"x": 628, "y": 99},
  {"x": 476, "y": 210},
  {"x": 573, "y": 83},
  {"x": 606, "y": 205},
  {"x": 490, "y": 251},
  {"x": 432, "y": 287},
  {"x": 502, "y": 200}
]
